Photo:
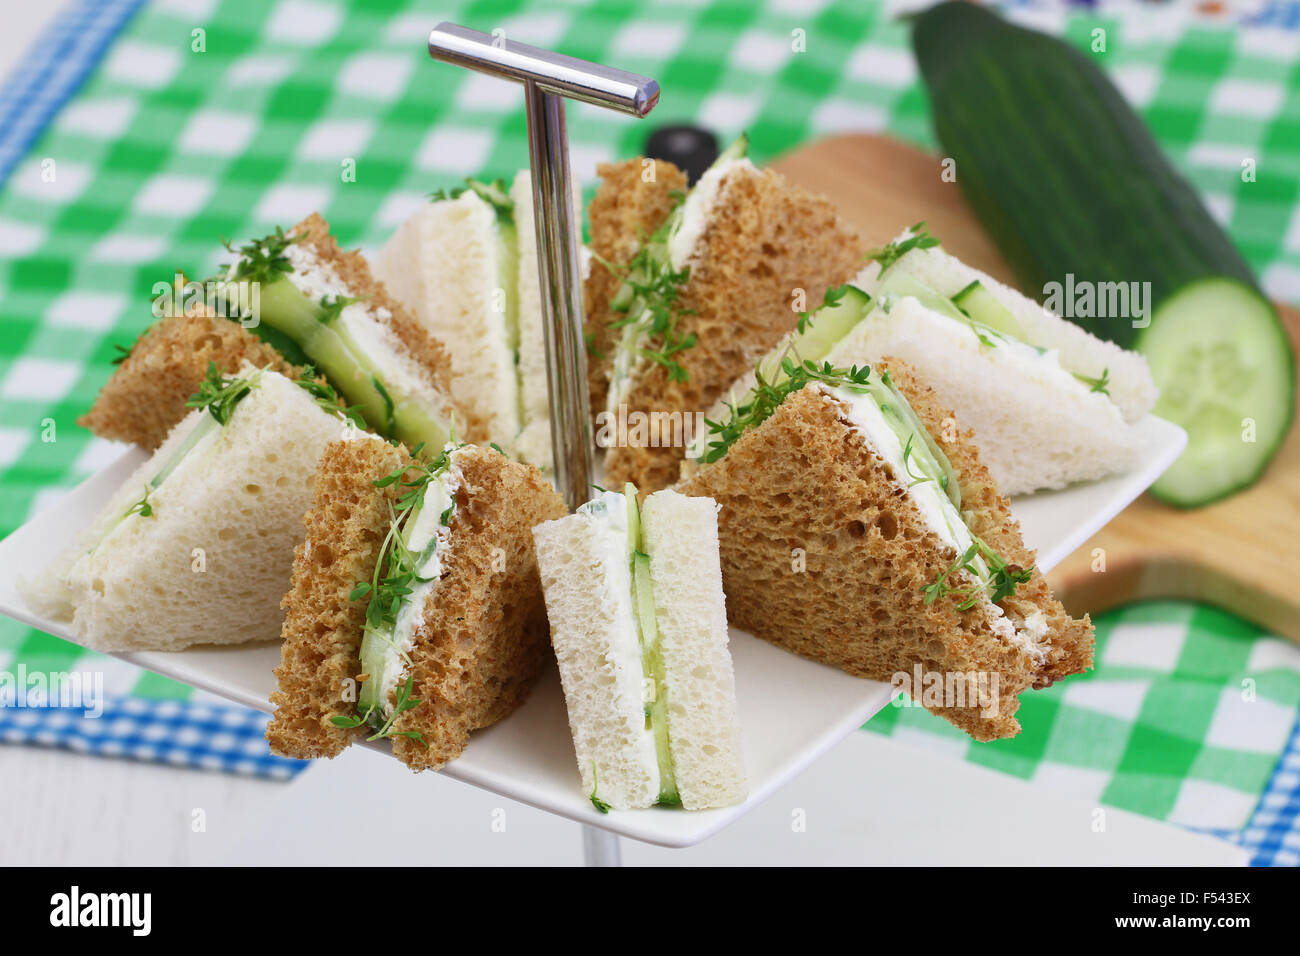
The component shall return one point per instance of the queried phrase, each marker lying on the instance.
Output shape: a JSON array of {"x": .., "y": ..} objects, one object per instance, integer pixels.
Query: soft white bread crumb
[
  {"x": 211, "y": 563},
  {"x": 445, "y": 263},
  {"x": 681, "y": 537},
  {"x": 1131, "y": 386},
  {"x": 1035, "y": 425},
  {"x": 534, "y": 442},
  {"x": 587, "y": 581}
]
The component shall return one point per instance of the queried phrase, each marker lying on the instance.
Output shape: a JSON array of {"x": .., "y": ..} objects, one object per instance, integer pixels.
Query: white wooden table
[{"x": 869, "y": 801}]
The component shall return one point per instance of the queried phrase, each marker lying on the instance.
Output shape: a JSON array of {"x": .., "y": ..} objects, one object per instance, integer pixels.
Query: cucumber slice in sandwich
[
  {"x": 828, "y": 488},
  {"x": 1050, "y": 405},
  {"x": 898, "y": 284},
  {"x": 329, "y": 311},
  {"x": 986, "y": 313},
  {"x": 980, "y": 305},
  {"x": 419, "y": 619},
  {"x": 941, "y": 281},
  {"x": 818, "y": 333},
  {"x": 408, "y": 570},
  {"x": 638, "y": 623}
]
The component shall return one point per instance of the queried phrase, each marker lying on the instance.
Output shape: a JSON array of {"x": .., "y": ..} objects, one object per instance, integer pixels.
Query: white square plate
[{"x": 791, "y": 710}]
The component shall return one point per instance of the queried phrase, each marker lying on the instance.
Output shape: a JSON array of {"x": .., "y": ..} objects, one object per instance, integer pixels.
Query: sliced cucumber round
[
  {"x": 981, "y": 305},
  {"x": 652, "y": 667},
  {"x": 289, "y": 316},
  {"x": 1226, "y": 374},
  {"x": 900, "y": 284},
  {"x": 825, "y": 327}
]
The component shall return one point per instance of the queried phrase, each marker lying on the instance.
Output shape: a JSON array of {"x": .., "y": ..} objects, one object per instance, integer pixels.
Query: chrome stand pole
[
  {"x": 561, "y": 281},
  {"x": 600, "y": 847},
  {"x": 549, "y": 79}
]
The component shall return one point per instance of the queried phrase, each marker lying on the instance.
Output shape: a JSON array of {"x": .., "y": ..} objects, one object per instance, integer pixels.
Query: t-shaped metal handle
[{"x": 548, "y": 79}]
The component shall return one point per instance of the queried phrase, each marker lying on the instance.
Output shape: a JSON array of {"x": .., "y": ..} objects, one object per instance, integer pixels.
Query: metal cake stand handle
[{"x": 549, "y": 79}]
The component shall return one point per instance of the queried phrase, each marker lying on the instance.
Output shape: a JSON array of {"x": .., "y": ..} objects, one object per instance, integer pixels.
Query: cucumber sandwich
[
  {"x": 197, "y": 545},
  {"x": 639, "y": 626},
  {"x": 703, "y": 296},
  {"x": 415, "y": 612},
  {"x": 465, "y": 264},
  {"x": 1049, "y": 403},
  {"x": 315, "y": 305},
  {"x": 856, "y": 530}
]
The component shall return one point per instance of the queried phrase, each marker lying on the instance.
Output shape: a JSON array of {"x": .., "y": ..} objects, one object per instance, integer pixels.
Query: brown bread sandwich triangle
[
  {"x": 634, "y": 199},
  {"x": 859, "y": 528},
  {"x": 416, "y": 611},
  {"x": 146, "y": 396},
  {"x": 289, "y": 301},
  {"x": 717, "y": 284}
]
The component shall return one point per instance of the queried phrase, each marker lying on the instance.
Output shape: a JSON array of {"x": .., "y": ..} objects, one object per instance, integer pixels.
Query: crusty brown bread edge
[
  {"x": 145, "y": 396},
  {"x": 322, "y": 630},
  {"x": 1071, "y": 640},
  {"x": 484, "y": 638},
  {"x": 804, "y": 480},
  {"x": 767, "y": 238},
  {"x": 625, "y": 209}
]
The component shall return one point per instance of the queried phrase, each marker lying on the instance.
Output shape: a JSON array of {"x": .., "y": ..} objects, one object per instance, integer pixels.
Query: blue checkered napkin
[
  {"x": 195, "y": 734},
  {"x": 1272, "y": 835},
  {"x": 188, "y": 733},
  {"x": 53, "y": 69}
]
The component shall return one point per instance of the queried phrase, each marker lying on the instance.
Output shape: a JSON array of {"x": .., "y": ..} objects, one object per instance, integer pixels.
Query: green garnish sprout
[
  {"x": 220, "y": 394},
  {"x": 889, "y": 254},
  {"x": 262, "y": 260},
  {"x": 1001, "y": 582},
  {"x": 767, "y": 397}
]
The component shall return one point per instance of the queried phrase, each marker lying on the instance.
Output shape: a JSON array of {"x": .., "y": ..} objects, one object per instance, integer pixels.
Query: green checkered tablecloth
[
  {"x": 1182, "y": 719},
  {"x": 205, "y": 120}
]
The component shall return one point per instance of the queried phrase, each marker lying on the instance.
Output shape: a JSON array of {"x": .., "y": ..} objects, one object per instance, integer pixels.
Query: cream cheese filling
[
  {"x": 439, "y": 496},
  {"x": 607, "y": 514},
  {"x": 363, "y": 324},
  {"x": 863, "y": 415},
  {"x": 937, "y": 511}
]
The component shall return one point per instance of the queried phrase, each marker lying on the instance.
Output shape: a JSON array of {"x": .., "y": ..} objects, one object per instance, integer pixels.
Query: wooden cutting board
[{"x": 1238, "y": 554}]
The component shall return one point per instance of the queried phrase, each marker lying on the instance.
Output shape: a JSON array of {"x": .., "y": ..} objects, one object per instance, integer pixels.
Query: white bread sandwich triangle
[
  {"x": 415, "y": 611},
  {"x": 1040, "y": 421},
  {"x": 197, "y": 545},
  {"x": 1050, "y": 404},
  {"x": 639, "y": 626},
  {"x": 704, "y": 297},
  {"x": 289, "y": 300},
  {"x": 533, "y": 444},
  {"x": 859, "y": 528},
  {"x": 465, "y": 264}
]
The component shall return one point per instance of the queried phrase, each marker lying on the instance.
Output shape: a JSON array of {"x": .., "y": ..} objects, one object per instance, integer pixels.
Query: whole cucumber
[{"x": 1095, "y": 220}]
